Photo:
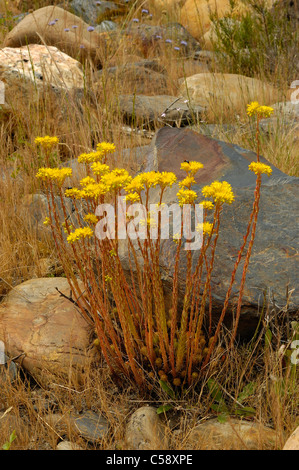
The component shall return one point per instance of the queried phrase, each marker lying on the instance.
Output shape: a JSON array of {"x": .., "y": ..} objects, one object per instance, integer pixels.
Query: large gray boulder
[{"x": 273, "y": 269}]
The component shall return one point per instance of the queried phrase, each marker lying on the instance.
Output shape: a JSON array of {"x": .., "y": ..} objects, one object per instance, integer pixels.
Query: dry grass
[{"x": 40, "y": 415}]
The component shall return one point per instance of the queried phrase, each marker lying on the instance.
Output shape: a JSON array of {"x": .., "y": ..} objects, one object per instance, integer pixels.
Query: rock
[
  {"x": 41, "y": 66},
  {"x": 56, "y": 27},
  {"x": 8, "y": 369},
  {"x": 293, "y": 441},
  {"x": 172, "y": 34},
  {"x": 231, "y": 435},
  {"x": 146, "y": 110},
  {"x": 106, "y": 26},
  {"x": 145, "y": 430},
  {"x": 67, "y": 445},
  {"x": 137, "y": 79},
  {"x": 36, "y": 206},
  {"x": 229, "y": 93},
  {"x": 94, "y": 12},
  {"x": 273, "y": 266},
  {"x": 196, "y": 14},
  {"x": 285, "y": 120},
  {"x": 91, "y": 426},
  {"x": 46, "y": 328}
]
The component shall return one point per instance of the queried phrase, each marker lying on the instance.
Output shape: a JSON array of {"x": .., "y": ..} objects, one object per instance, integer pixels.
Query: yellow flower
[
  {"x": 55, "y": 174},
  {"x": 207, "y": 205},
  {"x": 187, "y": 182},
  {"x": 166, "y": 178},
  {"x": 106, "y": 147},
  {"x": 100, "y": 169},
  {"x": 255, "y": 108},
  {"x": 205, "y": 227},
  {"x": 220, "y": 192},
  {"x": 91, "y": 157},
  {"x": 191, "y": 167},
  {"x": 79, "y": 234},
  {"x": 108, "y": 278},
  {"x": 93, "y": 191},
  {"x": 150, "y": 179},
  {"x": 136, "y": 185},
  {"x": 47, "y": 221},
  {"x": 116, "y": 179},
  {"x": 46, "y": 142},
  {"x": 74, "y": 193},
  {"x": 91, "y": 218},
  {"x": 186, "y": 196},
  {"x": 259, "y": 168},
  {"x": 87, "y": 180},
  {"x": 133, "y": 197}
]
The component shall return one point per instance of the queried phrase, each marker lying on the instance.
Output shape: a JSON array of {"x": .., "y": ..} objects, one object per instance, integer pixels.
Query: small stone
[
  {"x": 145, "y": 430},
  {"x": 293, "y": 441},
  {"x": 67, "y": 445},
  {"x": 91, "y": 426}
]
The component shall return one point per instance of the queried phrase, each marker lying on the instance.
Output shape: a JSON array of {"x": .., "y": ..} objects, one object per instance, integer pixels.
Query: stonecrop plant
[{"x": 142, "y": 337}]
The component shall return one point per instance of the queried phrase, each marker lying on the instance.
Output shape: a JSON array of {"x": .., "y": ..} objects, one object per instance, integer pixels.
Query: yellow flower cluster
[
  {"x": 150, "y": 179},
  {"x": 47, "y": 221},
  {"x": 106, "y": 147},
  {"x": 91, "y": 218},
  {"x": 46, "y": 142},
  {"x": 259, "y": 168},
  {"x": 79, "y": 234},
  {"x": 186, "y": 196},
  {"x": 116, "y": 179},
  {"x": 207, "y": 205},
  {"x": 206, "y": 228},
  {"x": 191, "y": 167},
  {"x": 187, "y": 182},
  {"x": 100, "y": 169},
  {"x": 91, "y": 157},
  {"x": 220, "y": 192},
  {"x": 255, "y": 108},
  {"x": 87, "y": 180},
  {"x": 133, "y": 197},
  {"x": 55, "y": 174}
]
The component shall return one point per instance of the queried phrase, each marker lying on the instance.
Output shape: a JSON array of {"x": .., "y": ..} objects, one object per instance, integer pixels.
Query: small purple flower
[
  {"x": 158, "y": 36},
  {"x": 168, "y": 41},
  {"x": 176, "y": 48},
  {"x": 98, "y": 3},
  {"x": 135, "y": 20},
  {"x": 184, "y": 43},
  {"x": 52, "y": 23},
  {"x": 56, "y": 19},
  {"x": 90, "y": 29},
  {"x": 74, "y": 26},
  {"x": 145, "y": 11},
  {"x": 82, "y": 46},
  {"x": 66, "y": 29}
]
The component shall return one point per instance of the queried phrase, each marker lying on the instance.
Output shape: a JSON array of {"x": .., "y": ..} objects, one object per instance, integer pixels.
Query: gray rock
[
  {"x": 105, "y": 26},
  {"x": 273, "y": 266},
  {"x": 138, "y": 79},
  {"x": 174, "y": 33},
  {"x": 147, "y": 110},
  {"x": 92, "y": 11},
  {"x": 91, "y": 426},
  {"x": 145, "y": 430}
]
